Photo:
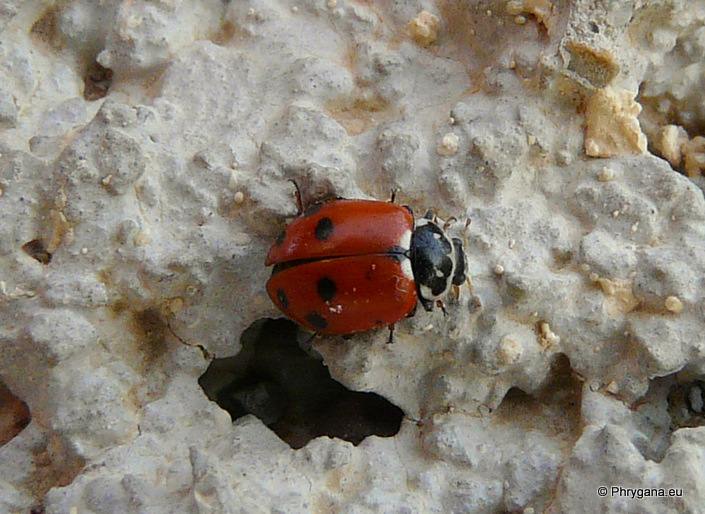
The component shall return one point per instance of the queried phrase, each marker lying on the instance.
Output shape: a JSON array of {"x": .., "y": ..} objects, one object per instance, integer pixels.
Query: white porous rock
[
  {"x": 142, "y": 37},
  {"x": 147, "y": 150},
  {"x": 649, "y": 455}
]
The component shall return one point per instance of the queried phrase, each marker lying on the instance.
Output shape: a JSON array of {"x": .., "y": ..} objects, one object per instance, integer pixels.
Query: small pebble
[{"x": 673, "y": 304}]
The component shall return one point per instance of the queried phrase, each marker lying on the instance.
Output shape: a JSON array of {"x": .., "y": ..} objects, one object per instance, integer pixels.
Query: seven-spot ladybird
[{"x": 347, "y": 266}]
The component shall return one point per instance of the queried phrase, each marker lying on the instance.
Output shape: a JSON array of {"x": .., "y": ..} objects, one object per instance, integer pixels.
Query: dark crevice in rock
[{"x": 292, "y": 391}]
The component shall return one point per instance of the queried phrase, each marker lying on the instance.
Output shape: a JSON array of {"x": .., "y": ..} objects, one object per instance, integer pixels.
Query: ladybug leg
[
  {"x": 394, "y": 194},
  {"x": 309, "y": 341},
  {"x": 465, "y": 230},
  {"x": 391, "y": 334},
  {"x": 456, "y": 288},
  {"x": 449, "y": 222},
  {"x": 297, "y": 193},
  {"x": 440, "y": 305}
]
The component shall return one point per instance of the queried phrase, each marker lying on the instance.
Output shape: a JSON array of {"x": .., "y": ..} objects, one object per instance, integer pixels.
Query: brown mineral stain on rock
[
  {"x": 96, "y": 81},
  {"x": 554, "y": 409},
  {"x": 361, "y": 113},
  {"x": 542, "y": 10},
  {"x": 595, "y": 65},
  {"x": 14, "y": 415},
  {"x": 45, "y": 29}
]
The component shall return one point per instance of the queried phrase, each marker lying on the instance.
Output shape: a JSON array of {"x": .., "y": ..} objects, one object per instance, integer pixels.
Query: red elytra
[{"x": 343, "y": 267}]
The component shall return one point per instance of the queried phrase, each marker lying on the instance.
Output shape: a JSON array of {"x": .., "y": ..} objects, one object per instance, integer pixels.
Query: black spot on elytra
[
  {"x": 283, "y": 299},
  {"x": 324, "y": 228},
  {"x": 326, "y": 289},
  {"x": 316, "y": 321},
  {"x": 281, "y": 238}
]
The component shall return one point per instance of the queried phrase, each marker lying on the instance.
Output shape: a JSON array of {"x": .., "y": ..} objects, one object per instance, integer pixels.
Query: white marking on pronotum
[
  {"x": 406, "y": 268},
  {"x": 405, "y": 240},
  {"x": 405, "y": 243}
]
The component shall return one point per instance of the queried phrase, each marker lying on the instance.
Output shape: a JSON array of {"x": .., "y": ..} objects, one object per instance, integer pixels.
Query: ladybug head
[{"x": 437, "y": 261}]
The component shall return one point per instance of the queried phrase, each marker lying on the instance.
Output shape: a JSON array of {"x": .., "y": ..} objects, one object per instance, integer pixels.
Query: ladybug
[{"x": 347, "y": 266}]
